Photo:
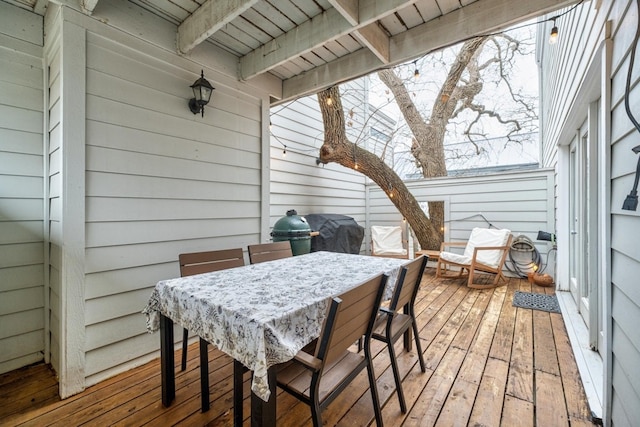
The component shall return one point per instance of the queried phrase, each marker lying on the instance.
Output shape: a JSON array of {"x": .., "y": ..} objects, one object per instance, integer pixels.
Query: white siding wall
[
  {"x": 158, "y": 180},
  {"x": 518, "y": 201},
  {"x": 625, "y": 225},
  {"x": 21, "y": 189},
  {"x": 563, "y": 71},
  {"x": 297, "y": 182}
]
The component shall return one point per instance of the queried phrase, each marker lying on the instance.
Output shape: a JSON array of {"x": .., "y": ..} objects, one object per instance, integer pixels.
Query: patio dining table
[{"x": 261, "y": 314}]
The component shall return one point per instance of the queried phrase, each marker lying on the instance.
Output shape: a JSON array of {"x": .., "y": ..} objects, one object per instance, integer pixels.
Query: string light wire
[
  {"x": 416, "y": 72},
  {"x": 496, "y": 33}
]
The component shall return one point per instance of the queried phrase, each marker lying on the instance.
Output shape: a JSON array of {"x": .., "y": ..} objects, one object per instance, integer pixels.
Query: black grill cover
[{"x": 338, "y": 233}]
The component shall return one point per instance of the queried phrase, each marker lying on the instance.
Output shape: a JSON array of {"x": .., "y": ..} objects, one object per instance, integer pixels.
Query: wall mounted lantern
[
  {"x": 631, "y": 202},
  {"x": 202, "y": 90}
]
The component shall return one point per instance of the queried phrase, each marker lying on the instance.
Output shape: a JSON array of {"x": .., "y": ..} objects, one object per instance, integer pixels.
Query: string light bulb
[
  {"x": 329, "y": 100},
  {"x": 355, "y": 161},
  {"x": 553, "y": 37},
  {"x": 416, "y": 72},
  {"x": 284, "y": 151},
  {"x": 270, "y": 125}
]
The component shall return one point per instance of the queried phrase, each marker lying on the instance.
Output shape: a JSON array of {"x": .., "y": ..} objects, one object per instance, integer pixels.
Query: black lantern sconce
[
  {"x": 631, "y": 202},
  {"x": 202, "y": 90}
]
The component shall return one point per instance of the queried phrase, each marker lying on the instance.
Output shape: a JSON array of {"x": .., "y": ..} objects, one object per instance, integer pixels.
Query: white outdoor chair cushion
[
  {"x": 486, "y": 260},
  {"x": 387, "y": 240},
  {"x": 456, "y": 258},
  {"x": 481, "y": 237}
]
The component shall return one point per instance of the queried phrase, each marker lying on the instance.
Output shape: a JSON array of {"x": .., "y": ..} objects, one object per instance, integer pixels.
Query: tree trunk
[
  {"x": 337, "y": 148},
  {"x": 457, "y": 91},
  {"x": 428, "y": 142}
]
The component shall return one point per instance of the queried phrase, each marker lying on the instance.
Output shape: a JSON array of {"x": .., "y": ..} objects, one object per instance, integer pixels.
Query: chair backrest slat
[
  {"x": 354, "y": 318},
  {"x": 408, "y": 283},
  {"x": 205, "y": 262},
  {"x": 269, "y": 251}
]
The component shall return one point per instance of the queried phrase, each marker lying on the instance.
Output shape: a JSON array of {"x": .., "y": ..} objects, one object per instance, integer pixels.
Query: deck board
[{"x": 488, "y": 363}]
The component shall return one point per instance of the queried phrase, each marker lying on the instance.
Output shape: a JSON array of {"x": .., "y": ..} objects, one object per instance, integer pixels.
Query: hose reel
[{"x": 524, "y": 256}]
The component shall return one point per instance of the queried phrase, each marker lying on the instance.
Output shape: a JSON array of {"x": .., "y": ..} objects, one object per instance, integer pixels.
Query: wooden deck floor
[{"x": 488, "y": 364}]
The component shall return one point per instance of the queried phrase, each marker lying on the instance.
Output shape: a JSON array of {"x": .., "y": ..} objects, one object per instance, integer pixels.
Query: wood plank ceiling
[{"x": 313, "y": 44}]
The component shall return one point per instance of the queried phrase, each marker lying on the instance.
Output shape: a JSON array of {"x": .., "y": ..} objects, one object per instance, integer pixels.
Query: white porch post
[{"x": 72, "y": 245}]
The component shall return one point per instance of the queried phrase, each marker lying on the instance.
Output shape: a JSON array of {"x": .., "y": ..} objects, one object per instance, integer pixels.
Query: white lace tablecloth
[{"x": 263, "y": 314}]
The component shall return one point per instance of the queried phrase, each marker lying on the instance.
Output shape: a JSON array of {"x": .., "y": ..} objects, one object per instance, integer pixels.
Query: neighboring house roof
[{"x": 493, "y": 169}]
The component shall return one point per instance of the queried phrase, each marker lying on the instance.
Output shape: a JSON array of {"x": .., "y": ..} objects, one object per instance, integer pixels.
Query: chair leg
[
  {"x": 204, "y": 375},
  {"x": 238, "y": 373},
  {"x": 316, "y": 411},
  {"x": 396, "y": 377},
  {"x": 185, "y": 343},
  {"x": 374, "y": 393},
  {"x": 407, "y": 334},
  {"x": 418, "y": 346},
  {"x": 443, "y": 269},
  {"x": 495, "y": 284},
  {"x": 496, "y": 279}
]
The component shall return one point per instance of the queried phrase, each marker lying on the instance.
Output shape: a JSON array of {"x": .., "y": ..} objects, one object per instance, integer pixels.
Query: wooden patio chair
[
  {"x": 205, "y": 262},
  {"x": 486, "y": 251},
  {"x": 269, "y": 251},
  {"x": 395, "y": 320},
  {"x": 319, "y": 378},
  {"x": 257, "y": 253},
  {"x": 387, "y": 241}
]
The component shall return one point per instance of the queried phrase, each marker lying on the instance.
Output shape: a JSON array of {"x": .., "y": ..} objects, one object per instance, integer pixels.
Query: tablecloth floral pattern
[{"x": 263, "y": 314}]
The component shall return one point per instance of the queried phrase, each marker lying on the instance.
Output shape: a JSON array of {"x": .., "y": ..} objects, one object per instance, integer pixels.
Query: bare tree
[{"x": 457, "y": 98}]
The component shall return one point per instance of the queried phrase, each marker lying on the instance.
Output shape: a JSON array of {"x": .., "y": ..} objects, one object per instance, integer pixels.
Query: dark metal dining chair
[
  {"x": 261, "y": 252},
  {"x": 269, "y": 251},
  {"x": 395, "y": 320},
  {"x": 351, "y": 315},
  {"x": 205, "y": 262}
]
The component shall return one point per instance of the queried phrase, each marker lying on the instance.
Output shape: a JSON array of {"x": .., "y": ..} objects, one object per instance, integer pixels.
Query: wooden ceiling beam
[
  {"x": 376, "y": 40},
  {"x": 40, "y": 7},
  {"x": 88, "y": 6},
  {"x": 480, "y": 17},
  {"x": 207, "y": 19},
  {"x": 371, "y": 35},
  {"x": 350, "y": 15},
  {"x": 347, "y": 8}
]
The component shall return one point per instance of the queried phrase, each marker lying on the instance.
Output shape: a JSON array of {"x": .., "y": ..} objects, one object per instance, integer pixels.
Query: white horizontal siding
[
  {"x": 518, "y": 201},
  {"x": 20, "y": 24},
  {"x": 564, "y": 70},
  {"x": 296, "y": 181},
  {"x": 625, "y": 225},
  {"x": 159, "y": 181},
  {"x": 21, "y": 189}
]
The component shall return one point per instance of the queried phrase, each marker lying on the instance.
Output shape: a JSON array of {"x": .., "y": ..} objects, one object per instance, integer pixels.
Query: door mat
[{"x": 542, "y": 302}]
